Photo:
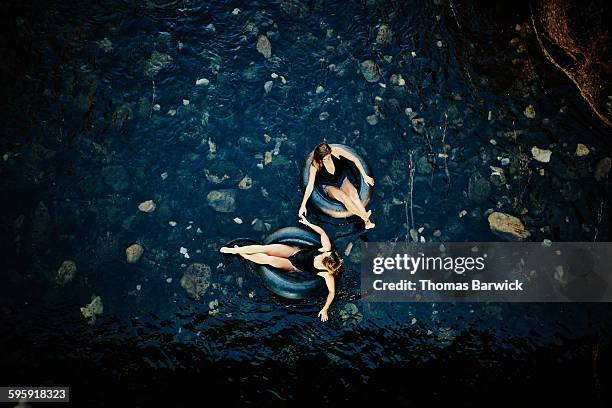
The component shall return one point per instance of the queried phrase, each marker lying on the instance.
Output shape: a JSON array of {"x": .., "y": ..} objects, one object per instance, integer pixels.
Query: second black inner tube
[{"x": 328, "y": 205}]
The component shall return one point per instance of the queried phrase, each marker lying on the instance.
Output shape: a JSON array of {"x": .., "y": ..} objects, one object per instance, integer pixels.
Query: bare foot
[
  {"x": 369, "y": 224},
  {"x": 227, "y": 250}
]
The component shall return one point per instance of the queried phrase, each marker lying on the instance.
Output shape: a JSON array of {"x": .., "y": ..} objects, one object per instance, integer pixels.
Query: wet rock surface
[
  {"x": 93, "y": 309},
  {"x": 133, "y": 253},
  {"x": 264, "y": 47},
  {"x": 507, "y": 227},
  {"x": 66, "y": 272},
  {"x": 156, "y": 63},
  {"x": 196, "y": 280},
  {"x": 223, "y": 201},
  {"x": 370, "y": 70},
  {"x": 147, "y": 206},
  {"x": 479, "y": 188},
  {"x": 384, "y": 34}
]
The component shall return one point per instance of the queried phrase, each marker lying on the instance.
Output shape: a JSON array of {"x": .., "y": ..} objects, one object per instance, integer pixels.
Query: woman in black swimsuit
[
  {"x": 323, "y": 262},
  {"x": 325, "y": 165}
]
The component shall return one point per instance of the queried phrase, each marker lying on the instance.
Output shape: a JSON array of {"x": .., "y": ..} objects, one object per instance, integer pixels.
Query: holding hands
[{"x": 302, "y": 211}]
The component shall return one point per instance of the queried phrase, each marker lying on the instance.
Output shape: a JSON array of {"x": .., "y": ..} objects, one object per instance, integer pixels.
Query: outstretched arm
[
  {"x": 325, "y": 242},
  {"x": 312, "y": 174},
  {"x": 340, "y": 152},
  {"x": 331, "y": 287}
]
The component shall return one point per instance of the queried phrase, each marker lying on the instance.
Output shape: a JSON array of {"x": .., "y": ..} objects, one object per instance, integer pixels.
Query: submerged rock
[
  {"x": 258, "y": 225},
  {"x": 370, "y": 71},
  {"x": 396, "y": 79},
  {"x": 268, "y": 86},
  {"x": 418, "y": 125},
  {"x": 147, "y": 206},
  {"x": 222, "y": 200},
  {"x": 133, "y": 253},
  {"x": 156, "y": 63},
  {"x": 93, "y": 309},
  {"x": 498, "y": 178},
  {"x": 264, "y": 46},
  {"x": 602, "y": 168},
  {"x": 65, "y": 273},
  {"x": 293, "y": 7},
  {"x": 541, "y": 155},
  {"x": 384, "y": 34},
  {"x": 105, "y": 44},
  {"x": 196, "y": 280},
  {"x": 268, "y": 157},
  {"x": 423, "y": 165},
  {"x": 582, "y": 150},
  {"x": 479, "y": 188},
  {"x": 530, "y": 112},
  {"x": 350, "y": 314},
  {"x": 245, "y": 183},
  {"x": 507, "y": 226}
]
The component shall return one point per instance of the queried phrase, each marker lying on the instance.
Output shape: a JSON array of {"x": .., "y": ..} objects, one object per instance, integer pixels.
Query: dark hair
[
  {"x": 320, "y": 152},
  {"x": 333, "y": 263}
]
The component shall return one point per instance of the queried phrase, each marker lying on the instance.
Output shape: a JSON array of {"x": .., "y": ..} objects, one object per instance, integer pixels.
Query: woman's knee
[
  {"x": 348, "y": 187},
  {"x": 336, "y": 193}
]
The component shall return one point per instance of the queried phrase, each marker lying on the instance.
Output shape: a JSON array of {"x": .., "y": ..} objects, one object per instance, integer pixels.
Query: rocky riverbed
[{"x": 139, "y": 138}]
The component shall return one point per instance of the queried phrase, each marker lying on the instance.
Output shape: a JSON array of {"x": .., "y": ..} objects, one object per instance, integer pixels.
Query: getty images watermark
[{"x": 487, "y": 272}]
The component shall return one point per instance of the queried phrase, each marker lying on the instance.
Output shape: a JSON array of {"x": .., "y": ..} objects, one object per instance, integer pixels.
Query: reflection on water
[{"x": 112, "y": 105}]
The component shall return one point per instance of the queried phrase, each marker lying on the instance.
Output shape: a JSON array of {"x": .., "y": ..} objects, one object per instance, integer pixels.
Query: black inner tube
[
  {"x": 328, "y": 205},
  {"x": 292, "y": 285}
]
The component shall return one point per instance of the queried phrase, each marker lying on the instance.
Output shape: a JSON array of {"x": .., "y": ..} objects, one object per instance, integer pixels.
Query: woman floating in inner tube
[
  {"x": 323, "y": 261},
  {"x": 325, "y": 168}
]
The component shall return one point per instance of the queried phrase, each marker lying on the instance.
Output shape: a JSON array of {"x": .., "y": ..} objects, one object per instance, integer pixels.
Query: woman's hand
[
  {"x": 323, "y": 314},
  {"x": 369, "y": 180},
  {"x": 302, "y": 212}
]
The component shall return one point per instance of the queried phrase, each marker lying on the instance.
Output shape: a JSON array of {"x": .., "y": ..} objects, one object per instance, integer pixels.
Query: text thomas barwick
[{"x": 429, "y": 285}]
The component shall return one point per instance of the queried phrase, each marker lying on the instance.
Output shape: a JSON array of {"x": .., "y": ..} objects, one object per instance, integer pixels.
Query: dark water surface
[{"x": 93, "y": 118}]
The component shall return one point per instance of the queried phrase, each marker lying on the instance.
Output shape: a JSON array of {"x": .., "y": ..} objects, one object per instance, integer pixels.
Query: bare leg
[
  {"x": 337, "y": 194},
  {"x": 349, "y": 189},
  {"x": 274, "y": 261},
  {"x": 279, "y": 250}
]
